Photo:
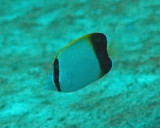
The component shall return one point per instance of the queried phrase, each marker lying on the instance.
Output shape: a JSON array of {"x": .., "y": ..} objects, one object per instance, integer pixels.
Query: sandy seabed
[{"x": 32, "y": 33}]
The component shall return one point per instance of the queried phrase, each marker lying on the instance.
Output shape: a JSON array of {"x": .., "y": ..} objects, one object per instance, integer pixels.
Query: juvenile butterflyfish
[{"x": 80, "y": 63}]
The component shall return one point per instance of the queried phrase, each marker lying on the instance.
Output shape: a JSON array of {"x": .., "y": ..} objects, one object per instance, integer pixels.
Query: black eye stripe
[{"x": 56, "y": 74}]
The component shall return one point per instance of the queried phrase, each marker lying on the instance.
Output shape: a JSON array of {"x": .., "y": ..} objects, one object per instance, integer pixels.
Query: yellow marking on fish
[{"x": 85, "y": 36}]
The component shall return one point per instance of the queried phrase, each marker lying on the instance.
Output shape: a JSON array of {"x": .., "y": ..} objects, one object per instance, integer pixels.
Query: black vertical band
[
  {"x": 99, "y": 42},
  {"x": 56, "y": 74}
]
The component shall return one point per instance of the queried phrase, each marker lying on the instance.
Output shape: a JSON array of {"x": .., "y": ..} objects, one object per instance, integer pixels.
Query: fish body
[{"x": 80, "y": 63}]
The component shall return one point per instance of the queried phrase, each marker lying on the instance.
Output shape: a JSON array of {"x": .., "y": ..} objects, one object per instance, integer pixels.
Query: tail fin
[{"x": 116, "y": 48}]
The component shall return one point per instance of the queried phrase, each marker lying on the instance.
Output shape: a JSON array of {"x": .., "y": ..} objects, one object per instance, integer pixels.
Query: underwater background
[{"x": 33, "y": 31}]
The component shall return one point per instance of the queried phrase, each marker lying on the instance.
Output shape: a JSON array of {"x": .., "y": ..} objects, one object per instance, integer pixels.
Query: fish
[{"x": 78, "y": 64}]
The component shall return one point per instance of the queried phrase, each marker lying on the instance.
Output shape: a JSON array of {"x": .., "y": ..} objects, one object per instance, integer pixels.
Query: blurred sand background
[{"x": 31, "y": 34}]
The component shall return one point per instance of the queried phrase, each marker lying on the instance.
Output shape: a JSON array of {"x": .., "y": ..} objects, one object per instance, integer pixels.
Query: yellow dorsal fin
[{"x": 85, "y": 36}]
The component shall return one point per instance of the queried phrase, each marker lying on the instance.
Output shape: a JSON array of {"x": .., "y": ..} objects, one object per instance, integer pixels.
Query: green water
[{"x": 32, "y": 33}]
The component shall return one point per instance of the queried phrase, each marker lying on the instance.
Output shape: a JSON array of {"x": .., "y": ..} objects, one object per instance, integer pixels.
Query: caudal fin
[{"x": 116, "y": 48}]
